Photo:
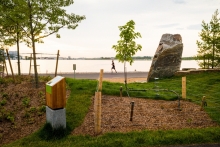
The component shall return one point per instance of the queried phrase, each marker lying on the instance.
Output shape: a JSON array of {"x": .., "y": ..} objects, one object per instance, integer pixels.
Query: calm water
[{"x": 66, "y": 66}]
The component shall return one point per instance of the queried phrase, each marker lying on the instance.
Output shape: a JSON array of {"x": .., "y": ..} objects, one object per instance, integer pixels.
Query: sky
[{"x": 95, "y": 36}]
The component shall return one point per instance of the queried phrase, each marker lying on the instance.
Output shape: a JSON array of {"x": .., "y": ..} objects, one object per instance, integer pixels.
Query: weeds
[
  {"x": 3, "y": 102},
  {"x": 26, "y": 102}
]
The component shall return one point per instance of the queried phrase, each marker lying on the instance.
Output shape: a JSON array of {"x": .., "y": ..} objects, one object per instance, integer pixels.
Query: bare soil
[
  {"x": 22, "y": 108},
  {"x": 22, "y": 112}
]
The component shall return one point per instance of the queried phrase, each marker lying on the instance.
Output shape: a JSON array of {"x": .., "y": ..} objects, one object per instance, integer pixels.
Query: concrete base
[{"x": 57, "y": 118}]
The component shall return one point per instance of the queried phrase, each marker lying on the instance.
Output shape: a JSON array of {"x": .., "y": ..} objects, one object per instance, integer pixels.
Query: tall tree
[
  {"x": 10, "y": 22},
  {"x": 209, "y": 46},
  {"x": 42, "y": 19},
  {"x": 127, "y": 47}
]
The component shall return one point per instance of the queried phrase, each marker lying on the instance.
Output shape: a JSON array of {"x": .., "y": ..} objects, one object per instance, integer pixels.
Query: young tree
[
  {"x": 127, "y": 47},
  {"x": 209, "y": 46}
]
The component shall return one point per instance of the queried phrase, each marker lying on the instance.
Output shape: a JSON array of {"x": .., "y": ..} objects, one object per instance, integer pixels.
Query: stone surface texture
[
  {"x": 57, "y": 118},
  {"x": 167, "y": 58}
]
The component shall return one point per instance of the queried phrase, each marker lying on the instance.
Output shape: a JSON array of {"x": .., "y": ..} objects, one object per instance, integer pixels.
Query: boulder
[{"x": 167, "y": 58}]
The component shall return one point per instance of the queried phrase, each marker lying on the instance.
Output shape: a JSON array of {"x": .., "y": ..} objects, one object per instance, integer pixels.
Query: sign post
[{"x": 74, "y": 68}]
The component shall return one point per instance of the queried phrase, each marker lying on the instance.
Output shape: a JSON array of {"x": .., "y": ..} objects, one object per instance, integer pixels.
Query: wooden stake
[
  {"x": 5, "y": 65},
  {"x": 132, "y": 111},
  {"x": 121, "y": 91},
  {"x": 97, "y": 115},
  {"x": 57, "y": 62},
  {"x": 30, "y": 65},
  {"x": 100, "y": 80},
  {"x": 10, "y": 65},
  {"x": 184, "y": 87},
  {"x": 204, "y": 103}
]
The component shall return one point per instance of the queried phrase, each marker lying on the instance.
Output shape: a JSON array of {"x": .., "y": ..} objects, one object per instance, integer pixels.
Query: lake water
[{"x": 66, "y": 66}]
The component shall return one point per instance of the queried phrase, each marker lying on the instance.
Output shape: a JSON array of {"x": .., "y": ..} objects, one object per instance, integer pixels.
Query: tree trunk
[
  {"x": 18, "y": 54},
  {"x": 33, "y": 46}
]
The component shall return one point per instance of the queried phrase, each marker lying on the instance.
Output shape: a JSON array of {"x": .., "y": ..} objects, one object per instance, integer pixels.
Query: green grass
[{"x": 78, "y": 104}]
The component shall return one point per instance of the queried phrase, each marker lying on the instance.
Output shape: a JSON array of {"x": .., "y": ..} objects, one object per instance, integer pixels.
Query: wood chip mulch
[{"x": 147, "y": 115}]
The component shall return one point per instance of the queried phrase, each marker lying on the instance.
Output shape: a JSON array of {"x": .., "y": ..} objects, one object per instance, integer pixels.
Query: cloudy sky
[{"x": 96, "y": 34}]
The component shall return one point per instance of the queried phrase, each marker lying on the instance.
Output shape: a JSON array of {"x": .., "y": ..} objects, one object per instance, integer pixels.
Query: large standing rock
[{"x": 167, "y": 59}]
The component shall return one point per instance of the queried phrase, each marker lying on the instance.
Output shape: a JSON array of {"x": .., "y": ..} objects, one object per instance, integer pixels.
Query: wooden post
[
  {"x": 121, "y": 91},
  {"x": 204, "y": 103},
  {"x": 97, "y": 110},
  {"x": 184, "y": 87},
  {"x": 132, "y": 111},
  {"x": 30, "y": 65},
  {"x": 5, "y": 65},
  {"x": 10, "y": 65},
  {"x": 100, "y": 80},
  {"x": 57, "y": 62}
]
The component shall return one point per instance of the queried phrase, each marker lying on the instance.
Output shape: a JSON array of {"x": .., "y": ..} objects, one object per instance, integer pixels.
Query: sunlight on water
[{"x": 66, "y": 66}]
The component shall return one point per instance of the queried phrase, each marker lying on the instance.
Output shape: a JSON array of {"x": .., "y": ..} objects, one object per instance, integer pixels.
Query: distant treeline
[{"x": 137, "y": 58}]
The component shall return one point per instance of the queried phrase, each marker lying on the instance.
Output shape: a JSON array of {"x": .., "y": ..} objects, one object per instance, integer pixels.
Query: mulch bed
[{"x": 147, "y": 115}]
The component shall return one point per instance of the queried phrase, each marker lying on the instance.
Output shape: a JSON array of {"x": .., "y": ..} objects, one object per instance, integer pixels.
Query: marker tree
[{"x": 127, "y": 47}]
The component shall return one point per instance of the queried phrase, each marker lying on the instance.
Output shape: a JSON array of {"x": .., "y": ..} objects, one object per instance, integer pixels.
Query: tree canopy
[
  {"x": 35, "y": 20},
  {"x": 209, "y": 46}
]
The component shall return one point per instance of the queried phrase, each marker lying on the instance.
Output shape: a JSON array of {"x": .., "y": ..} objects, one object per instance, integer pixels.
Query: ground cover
[{"x": 80, "y": 101}]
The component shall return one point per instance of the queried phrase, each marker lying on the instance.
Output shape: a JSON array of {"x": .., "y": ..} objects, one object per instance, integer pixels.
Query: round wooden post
[
  {"x": 121, "y": 91},
  {"x": 97, "y": 109},
  {"x": 100, "y": 80},
  {"x": 57, "y": 62},
  {"x": 30, "y": 65},
  {"x": 5, "y": 65},
  {"x": 10, "y": 65},
  {"x": 184, "y": 87},
  {"x": 132, "y": 111},
  {"x": 204, "y": 103}
]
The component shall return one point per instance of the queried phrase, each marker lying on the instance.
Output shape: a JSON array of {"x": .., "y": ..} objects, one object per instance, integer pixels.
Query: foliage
[
  {"x": 209, "y": 46},
  {"x": 37, "y": 20},
  {"x": 127, "y": 47},
  {"x": 26, "y": 101}
]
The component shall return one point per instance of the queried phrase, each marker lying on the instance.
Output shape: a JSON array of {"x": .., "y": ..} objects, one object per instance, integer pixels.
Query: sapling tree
[{"x": 127, "y": 47}]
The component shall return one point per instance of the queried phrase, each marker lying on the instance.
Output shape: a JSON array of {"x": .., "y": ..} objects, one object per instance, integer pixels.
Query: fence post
[
  {"x": 120, "y": 91},
  {"x": 132, "y": 111},
  {"x": 204, "y": 103},
  {"x": 30, "y": 65},
  {"x": 100, "y": 80},
  {"x": 184, "y": 87},
  {"x": 57, "y": 62},
  {"x": 10, "y": 65},
  {"x": 97, "y": 109}
]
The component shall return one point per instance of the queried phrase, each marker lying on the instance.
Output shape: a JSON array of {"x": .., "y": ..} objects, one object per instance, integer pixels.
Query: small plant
[
  {"x": 17, "y": 95},
  {"x": 40, "y": 94},
  {"x": 5, "y": 95},
  {"x": 32, "y": 109},
  {"x": 3, "y": 102},
  {"x": 42, "y": 108},
  {"x": 45, "y": 78},
  {"x": 10, "y": 117},
  {"x": 27, "y": 114},
  {"x": 30, "y": 121},
  {"x": 26, "y": 101}
]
